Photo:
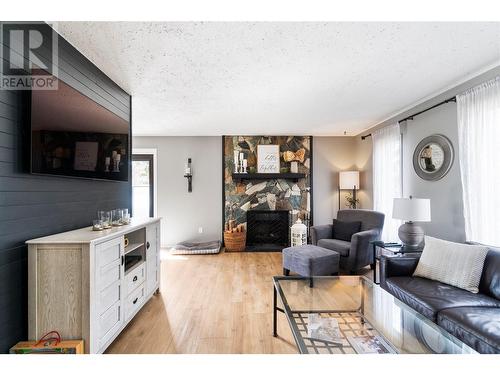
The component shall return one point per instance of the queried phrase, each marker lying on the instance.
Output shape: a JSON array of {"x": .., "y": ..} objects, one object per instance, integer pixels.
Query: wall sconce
[{"x": 189, "y": 175}]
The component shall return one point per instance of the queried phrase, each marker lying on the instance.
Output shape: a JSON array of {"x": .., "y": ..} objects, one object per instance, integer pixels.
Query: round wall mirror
[{"x": 433, "y": 157}]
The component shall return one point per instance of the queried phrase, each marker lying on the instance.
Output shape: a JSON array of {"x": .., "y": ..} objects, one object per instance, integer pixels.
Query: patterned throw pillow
[{"x": 452, "y": 263}]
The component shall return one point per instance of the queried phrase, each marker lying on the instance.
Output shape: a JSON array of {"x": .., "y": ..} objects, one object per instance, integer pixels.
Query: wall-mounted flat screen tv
[{"x": 72, "y": 135}]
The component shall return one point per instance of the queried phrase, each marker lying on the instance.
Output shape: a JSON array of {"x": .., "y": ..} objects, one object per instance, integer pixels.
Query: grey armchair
[{"x": 357, "y": 253}]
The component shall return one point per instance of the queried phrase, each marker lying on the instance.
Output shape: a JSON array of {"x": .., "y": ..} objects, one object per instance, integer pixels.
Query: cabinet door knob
[
  {"x": 135, "y": 278},
  {"x": 147, "y": 245},
  {"x": 123, "y": 260},
  {"x": 135, "y": 300}
]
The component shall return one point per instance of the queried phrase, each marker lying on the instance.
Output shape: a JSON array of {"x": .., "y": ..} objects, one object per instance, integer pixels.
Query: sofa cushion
[
  {"x": 490, "y": 280},
  {"x": 478, "y": 327},
  {"x": 456, "y": 264},
  {"x": 428, "y": 297},
  {"x": 339, "y": 246},
  {"x": 343, "y": 230}
]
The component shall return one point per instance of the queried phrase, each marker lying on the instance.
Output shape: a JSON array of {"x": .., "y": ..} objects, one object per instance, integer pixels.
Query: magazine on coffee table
[
  {"x": 326, "y": 329},
  {"x": 370, "y": 345}
]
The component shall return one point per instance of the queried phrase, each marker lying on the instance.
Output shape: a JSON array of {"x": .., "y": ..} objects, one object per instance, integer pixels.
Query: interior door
[{"x": 142, "y": 185}]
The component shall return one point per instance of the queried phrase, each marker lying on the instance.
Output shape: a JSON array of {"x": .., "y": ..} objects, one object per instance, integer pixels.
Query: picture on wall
[{"x": 268, "y": 158}]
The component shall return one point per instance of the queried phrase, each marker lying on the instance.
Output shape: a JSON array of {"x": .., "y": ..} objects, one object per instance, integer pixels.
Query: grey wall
[
  {"x": 182, "y": 212},
  {"x": 445, "y": 194},
  {"x": 33, "y": 206},
  {"x": 363, "y": 153},
  {"x": 331, "y": 155}
]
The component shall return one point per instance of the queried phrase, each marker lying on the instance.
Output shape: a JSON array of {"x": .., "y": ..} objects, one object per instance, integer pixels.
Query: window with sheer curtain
[
  {"x": 387, "y": 176},
  {"x": 478, "y": 111}
]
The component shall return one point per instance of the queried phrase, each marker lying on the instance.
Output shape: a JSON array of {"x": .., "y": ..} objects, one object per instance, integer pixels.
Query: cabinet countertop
[{"x": 87, "y": 235}]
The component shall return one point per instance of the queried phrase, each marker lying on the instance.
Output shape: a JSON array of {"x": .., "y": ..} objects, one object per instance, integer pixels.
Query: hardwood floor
[{"x": 210, "y": 304}]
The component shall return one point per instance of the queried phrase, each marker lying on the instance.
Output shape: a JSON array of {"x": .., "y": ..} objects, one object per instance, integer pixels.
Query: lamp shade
[
  {"x": 349, "y": 180},
  {"x": 411, "y": 209}
]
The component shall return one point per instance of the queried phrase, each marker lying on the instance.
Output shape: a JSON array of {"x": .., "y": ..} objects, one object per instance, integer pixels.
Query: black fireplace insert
[{"x": 267, "y": 230}]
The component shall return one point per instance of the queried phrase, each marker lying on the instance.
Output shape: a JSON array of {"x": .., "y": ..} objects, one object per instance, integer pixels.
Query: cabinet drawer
[
  {"x": 109, "y": 322},
  {"x": 134, "y": 278},
  {"x": 109, "y": 296},
  {"x": 134, "y": 301},
  {"x": 108, "y": 252}
]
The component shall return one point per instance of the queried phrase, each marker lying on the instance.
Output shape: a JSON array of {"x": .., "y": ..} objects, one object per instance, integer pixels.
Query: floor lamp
[{"x": 349, "y": 180}]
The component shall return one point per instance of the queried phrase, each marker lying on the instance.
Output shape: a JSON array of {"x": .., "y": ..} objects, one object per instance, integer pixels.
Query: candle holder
[
  {"x": 97, "y": 225},
  {"x": 117, "y": 218},
  {"x": 116, "y": 163},
  {"x": 107, "y": 163},
  {"x": 125, "y": 216},
  {"x": 236, "y": 161},
  {"x": 105, "y": 218},
  {"x": 189, "y": 175}
]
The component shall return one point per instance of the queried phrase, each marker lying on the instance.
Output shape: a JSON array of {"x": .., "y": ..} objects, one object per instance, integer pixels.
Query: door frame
[{"x": 154, "y": 152}]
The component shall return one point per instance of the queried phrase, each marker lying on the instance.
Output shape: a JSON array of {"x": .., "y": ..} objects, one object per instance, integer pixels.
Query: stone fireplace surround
[{"x": 241, "y": 196}]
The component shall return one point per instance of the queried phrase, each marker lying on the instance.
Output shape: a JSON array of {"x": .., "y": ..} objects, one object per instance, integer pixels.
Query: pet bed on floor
[{"x": 185, "y": 248}]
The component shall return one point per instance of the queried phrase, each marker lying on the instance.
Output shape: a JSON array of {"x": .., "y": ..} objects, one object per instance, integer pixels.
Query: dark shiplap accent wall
[{"x": 32, "y": 206}]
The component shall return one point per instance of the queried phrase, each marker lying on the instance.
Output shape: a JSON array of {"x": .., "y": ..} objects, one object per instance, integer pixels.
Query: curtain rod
[{"x": 449, "y": 100}]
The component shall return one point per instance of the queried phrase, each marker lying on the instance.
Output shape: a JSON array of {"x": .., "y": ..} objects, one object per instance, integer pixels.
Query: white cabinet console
[{"x": 88, "y": 285}]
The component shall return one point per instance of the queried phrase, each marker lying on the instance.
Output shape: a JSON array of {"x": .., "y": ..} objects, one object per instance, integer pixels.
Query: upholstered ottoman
[{"x": 310, "y": 260}]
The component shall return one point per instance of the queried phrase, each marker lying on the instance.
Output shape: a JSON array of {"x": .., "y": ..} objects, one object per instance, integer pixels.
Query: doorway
[{"x": 143, "y": 185}]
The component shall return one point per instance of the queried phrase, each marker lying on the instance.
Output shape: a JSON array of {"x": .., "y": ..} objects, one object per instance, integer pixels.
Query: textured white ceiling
[{"x": 198, "y": 78}]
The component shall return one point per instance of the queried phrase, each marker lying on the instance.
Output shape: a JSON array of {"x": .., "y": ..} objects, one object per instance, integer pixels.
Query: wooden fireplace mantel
[{"x": 268, "y": 176}]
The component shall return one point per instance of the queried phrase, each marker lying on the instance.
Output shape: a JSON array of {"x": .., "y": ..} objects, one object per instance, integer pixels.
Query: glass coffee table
[{"x": 363, "y": 311}]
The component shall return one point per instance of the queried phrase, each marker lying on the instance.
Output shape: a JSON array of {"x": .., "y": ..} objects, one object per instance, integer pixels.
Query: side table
[{"x": 391, "y": 248}]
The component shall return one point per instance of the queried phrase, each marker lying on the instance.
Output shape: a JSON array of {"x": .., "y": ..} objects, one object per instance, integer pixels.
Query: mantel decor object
[
  {"x": 236, "y": 161},
  {"x": 188, "y": 173},
  {"x": 268, "y": 159},
  {"x": 411, "y": 210},
  {"x": 433, "y": 157}
]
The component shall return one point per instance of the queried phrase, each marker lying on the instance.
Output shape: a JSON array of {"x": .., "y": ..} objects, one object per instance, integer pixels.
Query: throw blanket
[{"x": 211, "y": 247}]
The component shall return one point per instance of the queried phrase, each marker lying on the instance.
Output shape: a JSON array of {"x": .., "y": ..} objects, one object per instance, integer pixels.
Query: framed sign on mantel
[{"x": 268, "y": 158}]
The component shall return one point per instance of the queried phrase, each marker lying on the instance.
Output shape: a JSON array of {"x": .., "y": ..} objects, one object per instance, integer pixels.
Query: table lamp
[
  {"x": 411, "y": 210},
  {"x": 349, "y": 180}
]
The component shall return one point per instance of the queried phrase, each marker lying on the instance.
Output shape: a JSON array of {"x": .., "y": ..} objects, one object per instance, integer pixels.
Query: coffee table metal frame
[
  {"x": 296, "y": 320},
  {"x": 299, "y": 329}
]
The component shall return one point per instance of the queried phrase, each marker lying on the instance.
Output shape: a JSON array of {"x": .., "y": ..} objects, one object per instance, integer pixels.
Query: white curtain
[
  {"x": 479, "y": 155},
  {"x": 387, "y": 176}
]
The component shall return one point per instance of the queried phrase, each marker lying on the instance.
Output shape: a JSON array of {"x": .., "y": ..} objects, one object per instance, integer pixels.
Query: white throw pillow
[{"x": 452, "y": 263}]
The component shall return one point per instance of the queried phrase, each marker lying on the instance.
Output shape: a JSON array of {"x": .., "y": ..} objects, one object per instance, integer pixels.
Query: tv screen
[{"x": 72, "y": 135}]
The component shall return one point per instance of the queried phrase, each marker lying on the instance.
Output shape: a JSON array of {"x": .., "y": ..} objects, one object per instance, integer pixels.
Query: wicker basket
[{"x": 235, "y": 241}]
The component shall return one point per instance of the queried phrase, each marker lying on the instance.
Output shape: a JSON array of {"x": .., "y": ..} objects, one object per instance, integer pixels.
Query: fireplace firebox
[{"x": 267, "y": 230}]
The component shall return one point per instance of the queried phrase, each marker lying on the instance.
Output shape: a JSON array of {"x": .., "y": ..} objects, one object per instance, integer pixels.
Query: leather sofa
[
  {"x": 357, "y": 253},
  {"x": 472, "y": 318}
]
